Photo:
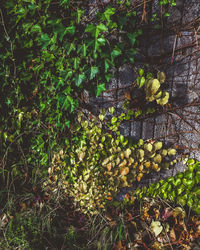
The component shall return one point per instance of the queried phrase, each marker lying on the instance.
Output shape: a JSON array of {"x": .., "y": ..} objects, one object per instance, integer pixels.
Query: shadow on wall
[{"x": 179, "y": 97}]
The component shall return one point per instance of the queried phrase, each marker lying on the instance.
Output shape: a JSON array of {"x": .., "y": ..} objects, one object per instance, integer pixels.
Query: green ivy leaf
[
  {"x": 95, "y": 29},
  {"x": 109, "y": 12},
  {"x": 100, "y": 88},
  {"x": 101, "y": 27},
  {"x": 67, "y": 102},
  {"x": 113, "y": 121},
  {"x": 45, "y": 40},
  {"x": 69, "y": 74},
  {"x": 82, "y": 49},
  {"x": 197, "y": 177},
  {"x": 36, "y": 28},
  {"x": 106, "y": 66},
  {"x": 93, "y": 71},
  {"x": 132, "y": 37},
  {"x": 190, "y": 161},
  {"x": 142, "y": 81},
  {"x": 177, "y": 182},
  {"x": 141, "y": 72},
  {"x": 108, "y": 77},
  {"x": 115, "y": 52},
  {"x": 79, "y": 13},
  {"x": 70, "y": 47},
  {"x": 64, "y": 2},
  {"x": 76, "y": 62},
  {"x": 130, "y": 54},
  {"x": 32, "y": 7},
  {"x": 188, "y": 175},
  {"x": 44, "y": 159},
  {"x": 71, "y": 30},
  {"x": 149, "y": 75},
  {"x": 79, "y": 79},
  {"x": 101, "y": 40},
  {"x": 111, "y": 110},
  {"x": 166, "y": 14},
  {"x": 91, "y": 29},
  {"x": 67, "y": 124}
]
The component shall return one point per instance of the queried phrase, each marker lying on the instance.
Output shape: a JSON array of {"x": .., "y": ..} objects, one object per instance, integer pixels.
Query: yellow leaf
[{"x": 124, "y": 171}]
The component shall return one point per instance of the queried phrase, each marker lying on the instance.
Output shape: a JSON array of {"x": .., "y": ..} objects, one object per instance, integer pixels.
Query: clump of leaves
[
  {"x": 153, "y": 91},
  {"x": 152, "y": 86},
  {"x": 149, "y": 88},
  {"x": 100, "y": 161},
  {"x": 48, "y": 63},
  {"x": 183, "y": 189}
]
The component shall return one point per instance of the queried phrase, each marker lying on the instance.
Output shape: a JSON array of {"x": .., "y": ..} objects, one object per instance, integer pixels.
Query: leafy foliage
[
  {"x": 100, "y": 161},
  {"x": 46, "y": 64},
  {"x": 147, "y": 88},
  {"x": 152, "y": 89},
  {"x": 182, "y": 189},
  {"x": 50, "y": 53}
]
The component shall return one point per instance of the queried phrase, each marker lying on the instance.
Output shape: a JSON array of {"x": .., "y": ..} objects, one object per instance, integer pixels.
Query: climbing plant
[
  {"x": 183, "y": 189},
  {"x": 50, "y": 52},
  {"x": 148, "y": 88},
  {"x": 100, "y": 161}
]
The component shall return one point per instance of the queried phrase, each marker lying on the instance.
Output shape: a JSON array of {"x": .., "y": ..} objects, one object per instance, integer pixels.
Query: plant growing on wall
[
  {"x": 100, "y": 161},
  {"x": 149, "y": 88},
  {"x": 183, "y": 189},
  {"x": 50, "y": 52}
]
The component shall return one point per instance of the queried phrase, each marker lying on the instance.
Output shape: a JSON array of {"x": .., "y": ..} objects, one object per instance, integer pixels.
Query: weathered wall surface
[{"x": 179, "y": 126}]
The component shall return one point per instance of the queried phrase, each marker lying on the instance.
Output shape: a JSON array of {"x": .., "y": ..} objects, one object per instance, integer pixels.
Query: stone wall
[{"x": 174, "y": 50}]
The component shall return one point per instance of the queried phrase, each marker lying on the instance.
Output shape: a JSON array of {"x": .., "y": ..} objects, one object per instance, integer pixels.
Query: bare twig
[
  {"x": 174, "y": 47},
  {"x": 197, "y": 44},
  {"x": 144, "y": 13}
]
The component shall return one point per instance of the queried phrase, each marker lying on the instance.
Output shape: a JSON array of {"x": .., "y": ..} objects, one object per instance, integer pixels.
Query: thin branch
[{"x": 174, "y": 47}]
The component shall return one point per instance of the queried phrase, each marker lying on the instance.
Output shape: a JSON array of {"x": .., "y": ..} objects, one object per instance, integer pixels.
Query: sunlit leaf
[{"x": 100, "y": 88}]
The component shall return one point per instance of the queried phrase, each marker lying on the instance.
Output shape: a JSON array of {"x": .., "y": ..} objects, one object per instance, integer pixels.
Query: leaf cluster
[
  {"x": 183, "y": 189},
  {"x": 153, "y": 91},
  {"x": 101, "y": 161},
  {"x": 50, "y": 52}
]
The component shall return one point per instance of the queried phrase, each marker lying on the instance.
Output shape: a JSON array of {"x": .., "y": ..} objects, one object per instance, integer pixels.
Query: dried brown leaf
[
  {"x": 3, "y": 221},
  {"x": 172, "y": 235},
  {"x": 156, "y": 212}
]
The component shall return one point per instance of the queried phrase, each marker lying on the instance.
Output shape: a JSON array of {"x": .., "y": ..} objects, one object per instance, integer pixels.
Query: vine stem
[
  {"x": 174, "y": 47},
  {"x": 11, "y": 44},
  {"x": 144, "y": 14},
  {"x": 196, "y": 39}
]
